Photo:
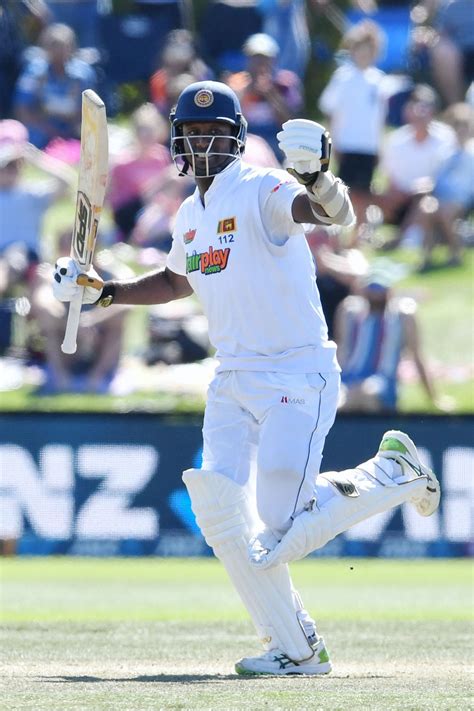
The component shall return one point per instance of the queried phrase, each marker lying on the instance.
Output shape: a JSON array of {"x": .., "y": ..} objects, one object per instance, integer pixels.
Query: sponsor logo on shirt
[
  {"x": 189, "y": 236},
  {"x": 226, "y": 225},
  {"x": 210, "y": 262}
]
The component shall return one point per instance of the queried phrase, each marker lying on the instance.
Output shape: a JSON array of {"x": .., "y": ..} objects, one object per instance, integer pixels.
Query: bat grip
[{"x": 69, "y": 344}]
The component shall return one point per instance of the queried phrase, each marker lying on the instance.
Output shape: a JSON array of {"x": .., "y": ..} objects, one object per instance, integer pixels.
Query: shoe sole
[{"x": 426, "y": 506}]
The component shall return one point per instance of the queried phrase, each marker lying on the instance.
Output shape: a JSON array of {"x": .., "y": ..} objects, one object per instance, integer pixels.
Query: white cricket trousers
[{"x": 277, "y": 423}]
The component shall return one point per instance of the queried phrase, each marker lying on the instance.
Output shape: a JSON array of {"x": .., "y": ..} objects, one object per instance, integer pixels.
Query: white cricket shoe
[
  {"x": 398, "y": 446},
  {"x": 276, "y": 663}
]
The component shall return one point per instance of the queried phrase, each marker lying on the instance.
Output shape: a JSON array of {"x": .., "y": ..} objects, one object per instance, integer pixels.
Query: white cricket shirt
[{"x": 250, "y": 266}]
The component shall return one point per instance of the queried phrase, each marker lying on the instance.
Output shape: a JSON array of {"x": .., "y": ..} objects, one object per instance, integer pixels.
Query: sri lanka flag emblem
[
  {"x": 189, "y": 236},
  {"x": 227, "y": 225}
]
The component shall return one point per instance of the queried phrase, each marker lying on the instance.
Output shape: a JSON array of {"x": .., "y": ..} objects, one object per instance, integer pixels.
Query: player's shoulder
[
  {"x": 258, "y": 172},
  {"x": 267, "y": 177}
]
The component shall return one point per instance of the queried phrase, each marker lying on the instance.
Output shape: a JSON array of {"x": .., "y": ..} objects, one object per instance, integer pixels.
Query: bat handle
[{"x": 69, "y": 344}]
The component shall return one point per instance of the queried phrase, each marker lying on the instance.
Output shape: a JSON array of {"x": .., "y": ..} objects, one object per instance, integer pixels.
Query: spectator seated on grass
[
  {"x": 411, "y": 159},
  {"x": 374, "y": 329},
  {"x": 453, "y": 194},
  {"x": 99, "y": 340},
  {"x": 48, "y": 93}
]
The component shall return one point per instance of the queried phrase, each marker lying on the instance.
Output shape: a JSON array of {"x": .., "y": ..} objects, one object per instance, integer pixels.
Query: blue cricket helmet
[{"x": 205, "y": 101}]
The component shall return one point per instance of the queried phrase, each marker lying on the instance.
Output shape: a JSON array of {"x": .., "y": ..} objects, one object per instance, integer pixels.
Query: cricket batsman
[{"x": 239, "y": 245}]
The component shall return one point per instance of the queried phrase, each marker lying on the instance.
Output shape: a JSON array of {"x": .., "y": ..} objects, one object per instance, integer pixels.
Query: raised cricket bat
[{"x": 93, "y": 168}]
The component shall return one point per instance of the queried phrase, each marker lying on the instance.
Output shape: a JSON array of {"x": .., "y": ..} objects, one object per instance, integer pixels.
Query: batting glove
[
  {"x": 68, "y": 279},
  {"x": 307, "y": 147}
]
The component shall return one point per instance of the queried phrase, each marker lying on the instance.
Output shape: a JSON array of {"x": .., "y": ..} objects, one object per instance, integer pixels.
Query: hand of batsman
[
  {"x": 68, "y": 278},
  {"x": 307, "y": 147}
]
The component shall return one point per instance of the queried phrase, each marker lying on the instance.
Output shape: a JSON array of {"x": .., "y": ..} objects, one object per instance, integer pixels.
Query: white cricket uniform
[{"x": 276, "y": 386}]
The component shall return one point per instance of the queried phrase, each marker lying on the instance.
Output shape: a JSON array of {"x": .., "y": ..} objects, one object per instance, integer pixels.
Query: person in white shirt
[
  {"x": 355, "y": 101},
  {"x": 239, "y": 245},
  {"x": 411, "y": 159}
]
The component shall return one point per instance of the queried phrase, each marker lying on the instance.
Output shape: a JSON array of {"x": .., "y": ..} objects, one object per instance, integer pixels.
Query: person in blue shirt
[{"x": 47, "y": 96}]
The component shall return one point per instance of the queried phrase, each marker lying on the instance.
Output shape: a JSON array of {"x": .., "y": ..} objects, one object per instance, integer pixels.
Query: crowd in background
[{"x": 392, "y": 81}]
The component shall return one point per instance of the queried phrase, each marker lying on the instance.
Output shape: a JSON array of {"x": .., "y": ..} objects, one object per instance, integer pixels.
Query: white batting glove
[
  {"x": 68, "y": 278},
  {"x": 307, "y": 147}
]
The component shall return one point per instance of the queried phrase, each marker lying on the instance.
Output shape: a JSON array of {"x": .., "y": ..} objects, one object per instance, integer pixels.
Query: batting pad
[
  {"x": 375, "y": 492},
  {"x": 224, "y": 516}
]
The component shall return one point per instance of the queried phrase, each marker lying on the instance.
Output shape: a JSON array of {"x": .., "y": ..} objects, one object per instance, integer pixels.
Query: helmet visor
[{"x": 206, "y": 155}]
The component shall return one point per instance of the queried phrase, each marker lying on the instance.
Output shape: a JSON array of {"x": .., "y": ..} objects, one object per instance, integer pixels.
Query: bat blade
[{"x": 92, "y": 183}]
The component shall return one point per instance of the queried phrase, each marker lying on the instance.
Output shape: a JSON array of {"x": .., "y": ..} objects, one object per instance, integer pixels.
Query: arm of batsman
[
  {"x": 68, "y": 278},
  {"x": 307, "y": 147}
]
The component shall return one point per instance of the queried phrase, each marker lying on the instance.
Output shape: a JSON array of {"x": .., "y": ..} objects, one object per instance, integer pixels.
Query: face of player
[{"x": 209, "y": 147}]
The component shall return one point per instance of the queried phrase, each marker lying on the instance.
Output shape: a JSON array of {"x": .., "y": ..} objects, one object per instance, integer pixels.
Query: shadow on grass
[
  {"x": 151, "y": 678},
  {"x": 196, "y": 678}
]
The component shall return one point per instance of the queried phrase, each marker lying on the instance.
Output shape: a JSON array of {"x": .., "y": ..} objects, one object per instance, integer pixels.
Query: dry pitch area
[{"x": 163, "y": 634}]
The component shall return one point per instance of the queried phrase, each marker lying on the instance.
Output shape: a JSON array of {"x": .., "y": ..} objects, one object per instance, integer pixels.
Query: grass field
[{"x": 150, "y": 634}]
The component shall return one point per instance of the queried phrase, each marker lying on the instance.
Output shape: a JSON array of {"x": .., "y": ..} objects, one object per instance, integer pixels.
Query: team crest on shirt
[
  {"x": 189, "y": 236},
  {"x": 226, "y": 225}
]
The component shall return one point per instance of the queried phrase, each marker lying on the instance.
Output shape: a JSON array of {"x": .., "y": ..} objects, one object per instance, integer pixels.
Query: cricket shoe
[
  {"x": 276, "y": 663},
  {"x": 398, "y": 446}
]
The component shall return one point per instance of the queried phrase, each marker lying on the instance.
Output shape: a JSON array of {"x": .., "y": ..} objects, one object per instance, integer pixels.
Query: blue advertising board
[{"x": 105, "y": 484}]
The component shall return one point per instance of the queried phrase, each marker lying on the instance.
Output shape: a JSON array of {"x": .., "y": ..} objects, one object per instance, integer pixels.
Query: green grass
[{"x": 164, "y": 633}]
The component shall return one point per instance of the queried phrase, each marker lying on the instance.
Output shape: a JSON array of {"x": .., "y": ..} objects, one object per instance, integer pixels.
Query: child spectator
[
  {"x": 355, "y": 103},
  {"x": 48, "y": 93}
]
